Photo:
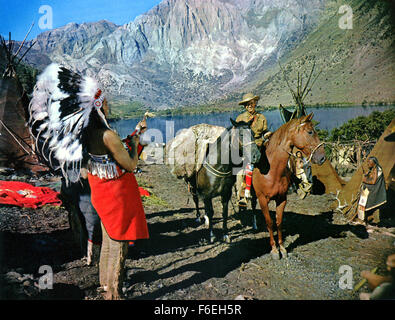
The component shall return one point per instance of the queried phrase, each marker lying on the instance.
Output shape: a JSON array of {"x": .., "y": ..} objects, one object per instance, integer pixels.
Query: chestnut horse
[{"x": 272, "y": 183}]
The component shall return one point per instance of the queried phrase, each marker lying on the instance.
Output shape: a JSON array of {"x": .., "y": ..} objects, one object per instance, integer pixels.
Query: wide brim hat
[{"x": 248, "y": 97}]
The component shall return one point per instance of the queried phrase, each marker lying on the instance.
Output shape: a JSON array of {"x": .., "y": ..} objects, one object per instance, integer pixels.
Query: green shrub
[{"x": 363, "y": 128}]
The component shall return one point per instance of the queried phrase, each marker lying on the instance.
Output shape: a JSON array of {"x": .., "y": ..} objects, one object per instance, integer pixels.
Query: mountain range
[{"x": 197, "y": 52}]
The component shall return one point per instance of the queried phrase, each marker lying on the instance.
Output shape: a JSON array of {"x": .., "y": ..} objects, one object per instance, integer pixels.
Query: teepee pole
[{"x": 23, "y": 42}]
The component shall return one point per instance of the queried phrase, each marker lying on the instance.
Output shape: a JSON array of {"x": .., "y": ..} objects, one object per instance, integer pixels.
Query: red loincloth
[
  {"x": 118, "y": 203},
  {"x": 23, "y": 194}
]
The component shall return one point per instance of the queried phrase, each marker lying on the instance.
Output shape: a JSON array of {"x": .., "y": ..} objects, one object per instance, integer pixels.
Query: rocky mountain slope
[
  {"x": 182, "y": 51},
  {"x": 191, "y": 52},
  {"x": 357, "y": 65}
]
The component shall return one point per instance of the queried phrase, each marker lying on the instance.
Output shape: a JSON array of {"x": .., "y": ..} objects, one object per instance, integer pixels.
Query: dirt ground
[{"x": 178, "y": 263}]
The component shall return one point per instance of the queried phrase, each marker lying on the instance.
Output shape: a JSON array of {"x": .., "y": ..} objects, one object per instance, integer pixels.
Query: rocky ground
[{"x": 178, "y": 263}]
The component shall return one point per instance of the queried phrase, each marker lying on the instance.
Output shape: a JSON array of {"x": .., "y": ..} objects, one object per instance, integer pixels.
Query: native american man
[{"x": 70, "y": 111}]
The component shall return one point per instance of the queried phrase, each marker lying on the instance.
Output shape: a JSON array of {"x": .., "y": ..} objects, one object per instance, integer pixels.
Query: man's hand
[
  {"x": 267, "y": 135},
  {"x": 142, "y": 126},
  {"x": 136, "y": 139},
  {"x": 127, "y": 160},
  {"x": 84, "y": 173}
]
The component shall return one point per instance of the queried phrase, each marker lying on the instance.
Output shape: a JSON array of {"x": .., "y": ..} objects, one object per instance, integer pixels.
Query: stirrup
[
  {"x": 243, "y": 202},
  {"x": 358, "y": 222}
]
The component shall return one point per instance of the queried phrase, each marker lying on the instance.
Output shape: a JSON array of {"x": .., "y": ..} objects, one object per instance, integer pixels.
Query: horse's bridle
[
  {"x": 314, "y": 150},
  {"x": 311, "y": 154}
]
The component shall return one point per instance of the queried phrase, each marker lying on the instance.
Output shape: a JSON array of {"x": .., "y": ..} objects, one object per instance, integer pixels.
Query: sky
[{"x": 18, "y": 15}]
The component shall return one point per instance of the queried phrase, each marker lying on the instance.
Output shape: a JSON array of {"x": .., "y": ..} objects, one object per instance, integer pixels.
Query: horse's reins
[{"x": 314, "y": 150}]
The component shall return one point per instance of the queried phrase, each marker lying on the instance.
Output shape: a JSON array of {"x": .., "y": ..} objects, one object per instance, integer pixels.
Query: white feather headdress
[{"x": 59, "y": 112}]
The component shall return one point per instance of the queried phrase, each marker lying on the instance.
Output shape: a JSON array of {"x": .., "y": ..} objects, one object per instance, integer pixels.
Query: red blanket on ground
[
  {"x": 119, "y": 206},
  {"x": 23, "y": 194},
  {"x": 144, "y": 193}
]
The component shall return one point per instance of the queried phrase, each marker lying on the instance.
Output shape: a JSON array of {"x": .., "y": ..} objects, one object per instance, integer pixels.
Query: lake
[{"x": 163, "y": 129}]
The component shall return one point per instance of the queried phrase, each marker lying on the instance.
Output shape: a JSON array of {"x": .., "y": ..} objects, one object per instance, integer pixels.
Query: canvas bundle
[{"x": 186, "y": 152}]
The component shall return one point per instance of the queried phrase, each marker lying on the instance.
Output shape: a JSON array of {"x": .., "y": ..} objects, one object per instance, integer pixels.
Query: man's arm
[
  {"x": 114, "y": 144},
  {"x": 371, "y": 178},
  {"x": 375, "y": 280},
  {"x": 264, "y": 123}
]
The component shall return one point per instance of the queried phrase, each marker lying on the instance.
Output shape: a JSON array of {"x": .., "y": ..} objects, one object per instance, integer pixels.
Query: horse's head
[
  {"x": 246, "y": 141},
  {"x": 306, "y": 139}
]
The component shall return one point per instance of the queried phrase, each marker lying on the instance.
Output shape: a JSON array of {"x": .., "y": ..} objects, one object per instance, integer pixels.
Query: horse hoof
[
  {"x": 212, "y": 237},
  {"x": 206, "y": 221},
  {"x": 226, "y": 239},
  {"x": 275, "y": 254}
]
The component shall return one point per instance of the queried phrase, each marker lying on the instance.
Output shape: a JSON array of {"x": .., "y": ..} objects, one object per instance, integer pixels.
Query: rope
[
  {"x": 215, "y": 172},
  {"x": 246, "y": 144},
  {"x": 9, "y": 131}
]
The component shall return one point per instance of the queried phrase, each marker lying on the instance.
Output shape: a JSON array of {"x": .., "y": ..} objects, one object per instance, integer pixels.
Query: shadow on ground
[
  {"x": 30, "y": 251},
  {"x": 244, "y": 248}
]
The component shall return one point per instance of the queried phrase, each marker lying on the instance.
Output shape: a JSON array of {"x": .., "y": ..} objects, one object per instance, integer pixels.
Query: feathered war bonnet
[{"x": 60, "y": 112}]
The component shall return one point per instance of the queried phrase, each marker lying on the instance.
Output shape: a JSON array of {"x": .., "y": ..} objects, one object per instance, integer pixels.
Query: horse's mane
[{"x": 274, "y": 142}]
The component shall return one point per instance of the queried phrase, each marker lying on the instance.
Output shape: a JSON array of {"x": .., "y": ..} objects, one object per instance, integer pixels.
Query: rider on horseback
[{"x": 261, "y": 134}]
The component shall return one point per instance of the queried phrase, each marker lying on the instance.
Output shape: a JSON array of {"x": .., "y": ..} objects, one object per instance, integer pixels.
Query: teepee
[
  {"x": 384, "y": 151},
  {"x": 325, "y": 176},
  {"x": 15, "y": 140}
]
